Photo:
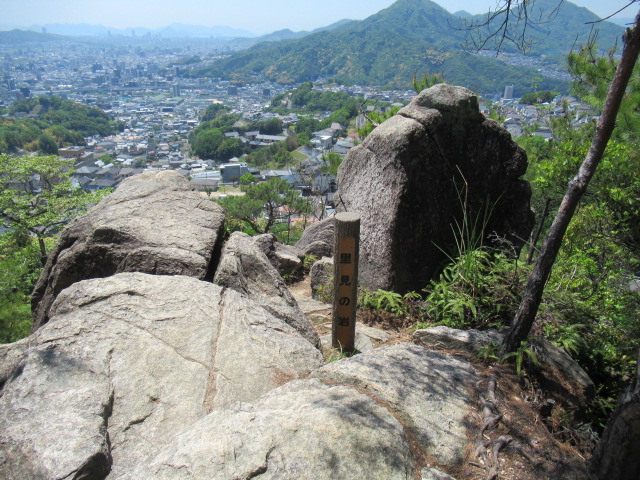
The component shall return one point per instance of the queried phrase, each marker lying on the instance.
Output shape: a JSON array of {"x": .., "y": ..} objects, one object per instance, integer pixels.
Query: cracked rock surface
[
  {"x": 129, "y": 361},
  {"x": 430, "y": 392},
  {"x": 244, "y": 267},
  {"x": 375, "y": 415},
  {"x": 303, "y": 430},
  {"x": 152, "y": 223}
]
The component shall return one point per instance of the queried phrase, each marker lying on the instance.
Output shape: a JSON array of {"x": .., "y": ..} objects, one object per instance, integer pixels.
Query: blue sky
[{"x": 257, "y": 16}]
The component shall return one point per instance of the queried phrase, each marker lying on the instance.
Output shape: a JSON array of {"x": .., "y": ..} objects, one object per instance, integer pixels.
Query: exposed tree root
[{"x": 488, "y": 449}]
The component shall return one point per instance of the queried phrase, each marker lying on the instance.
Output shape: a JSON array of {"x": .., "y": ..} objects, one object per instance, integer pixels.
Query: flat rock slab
[
  {"x": 470, "y": 341},
  {"x": 129, "y": 361},
  {"x": 303, "y": 430},
  {"x": 366, "y": 337},
  {"x": 309, "y": 305},
  {"x": 431, "y": 393},
  {"x": 152, "y": 223}
]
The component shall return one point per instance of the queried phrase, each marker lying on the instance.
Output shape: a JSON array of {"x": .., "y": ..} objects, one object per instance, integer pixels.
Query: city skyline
[{"x": 253, "y": 16}]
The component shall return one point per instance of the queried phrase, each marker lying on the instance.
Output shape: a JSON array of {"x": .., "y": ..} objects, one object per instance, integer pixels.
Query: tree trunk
[
  {"x": 536, "y": 235},
  {"x": 43, "y": 251},
  {"x": 532, "y": 297},
  {"x": 617, "y": 457}
]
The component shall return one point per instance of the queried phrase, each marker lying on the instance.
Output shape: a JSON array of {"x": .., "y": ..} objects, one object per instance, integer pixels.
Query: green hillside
[
  {"x": 51, "y": 122},
  {"x": 554, "y": 30},
  {"x": 409, "y": 37}
]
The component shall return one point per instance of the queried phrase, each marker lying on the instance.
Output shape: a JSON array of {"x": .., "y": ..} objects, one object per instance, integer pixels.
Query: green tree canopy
[
  {"x": 47, "y": 145},
  {"x": 213, "y": 111},
  {"x": 332, "y": 163},
  {"x": 306, "y": 126},
  {"x": 543, "y": 96},
  {"x": 229, "y": 148},
  {"x": 20, "y": 268},
  {"x": 36, "y": 195},
  {"x": 264, "y": 203},
  {"x": 207, "y": 143},
  {"x": 64, "y": 121}
]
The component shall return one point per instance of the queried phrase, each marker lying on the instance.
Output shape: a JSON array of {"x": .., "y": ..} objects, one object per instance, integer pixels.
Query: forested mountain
[
  {"x": 285, "y": 34},
  {"x": 556, "y": 29},
  {"x": 409, "y": 37}
]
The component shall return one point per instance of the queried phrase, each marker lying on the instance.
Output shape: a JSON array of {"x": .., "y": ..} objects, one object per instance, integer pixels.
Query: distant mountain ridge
[
  {"x": 285, "y": 34},
  {"x": 557, "y": 28},
  {"x": 170, "y": 31},
  {"x": 410, "y": 37},
  {"x": 22, "y": 36}
]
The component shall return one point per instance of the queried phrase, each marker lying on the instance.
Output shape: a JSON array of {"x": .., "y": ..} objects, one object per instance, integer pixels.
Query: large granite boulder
[
  {"x": 129, "y": 361},
  {"x": 436, "y": 166},
  {"x": 244, "y": 267},
  {"x": 321, "y": 279},
  {"x": 318, "y": 239},
  {"x": 370, "y": 416},
  {"x": 285, "y": 258},
  {"x": 153, "y": 223},
  {"x": 304, "y": 430}
]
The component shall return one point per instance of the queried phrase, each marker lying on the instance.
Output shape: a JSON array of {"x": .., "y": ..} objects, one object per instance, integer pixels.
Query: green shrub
[
  {"x": 19, "y": 270},
  {"x": 409, "y": 304},
  {"x": 479, "y": 289}
]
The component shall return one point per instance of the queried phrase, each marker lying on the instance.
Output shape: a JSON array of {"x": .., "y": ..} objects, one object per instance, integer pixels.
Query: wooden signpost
[{"x": 345, "y": 280}]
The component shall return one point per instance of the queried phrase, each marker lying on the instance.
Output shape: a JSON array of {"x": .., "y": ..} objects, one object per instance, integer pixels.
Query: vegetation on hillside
[
  {"x": 51, "y": 122},
  {"x": 209, "y": 142},
  {"x": 303, "y": 97},
  {"x": 410, "y": 36},
  {"x": 590, "y": 307},
  {"x": 36, "y": 201},
  {"x": 550, "y": 27},
  {"x": 19, "y": 270},
  {"x": 543, "y": 96}
]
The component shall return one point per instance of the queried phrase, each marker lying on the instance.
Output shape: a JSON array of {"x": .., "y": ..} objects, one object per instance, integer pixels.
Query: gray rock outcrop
[
  {"x": 285, "y": 258},
  {"x": 153, "y": 223},
  {"x": 304, "y": 430},
  {"x": 559, "y": 372},
  {"x": 318, "y": 238},
  {"x": 321, "y": 278},
  {"x": 244, "y": 267},
  {"x": 354, "y": 419},
  {"x": 470, "y": 341},
  {"x": 126, "y": 363},
  {"x": 434, "y": 474},
  {"x": 413, "y": 179},
  {"x": 563, "y": 372},
  {"x": 413, "y": 380}
]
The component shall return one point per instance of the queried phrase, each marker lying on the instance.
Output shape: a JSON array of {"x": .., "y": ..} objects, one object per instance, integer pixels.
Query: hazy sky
[{"x": 257, "y": 16}]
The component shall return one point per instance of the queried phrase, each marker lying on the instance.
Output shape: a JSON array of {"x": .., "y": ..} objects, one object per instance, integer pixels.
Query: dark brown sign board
[{"x": 345, "y": 280}]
